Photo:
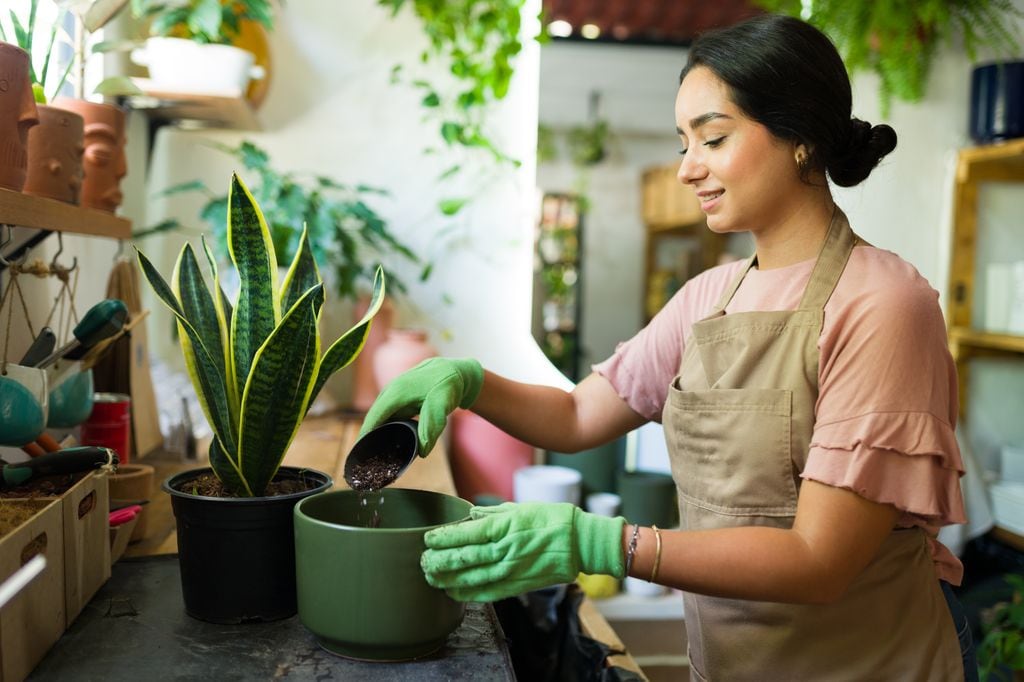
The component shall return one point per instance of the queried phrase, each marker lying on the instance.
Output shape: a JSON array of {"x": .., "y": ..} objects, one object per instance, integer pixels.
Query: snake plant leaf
[
  {"x": 227, "y": 469},
  {"x": 347, "y": 347},
  {"x": 198, "y": 305},
  {"x": 258, "y": 310},
  {"x": 223, "y": 308},
  {"x": 210, "y": 385},
  {"x": 302, "y": 274},
  {"x": 278, "y": 391}
]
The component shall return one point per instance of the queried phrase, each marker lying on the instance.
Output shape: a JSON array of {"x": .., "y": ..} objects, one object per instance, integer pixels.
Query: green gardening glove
[
  {"x": 433, "y": 389},
  {"x": 513, "y": 548}
]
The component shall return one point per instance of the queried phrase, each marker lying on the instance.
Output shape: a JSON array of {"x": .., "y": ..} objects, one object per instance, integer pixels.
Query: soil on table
[
  {"x": 53, "y": 485},
  {"x": 13, "y": 515},
  {"x": 208, "y": 485}
]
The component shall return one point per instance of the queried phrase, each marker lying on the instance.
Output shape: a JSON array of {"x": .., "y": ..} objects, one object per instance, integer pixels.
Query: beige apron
[{"x": 738, "y": 422}]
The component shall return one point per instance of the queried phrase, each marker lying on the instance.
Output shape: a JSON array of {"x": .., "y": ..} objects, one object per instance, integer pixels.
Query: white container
[
  {"x": 604, "y": 504},
  {"x": 641, "y": 588},
  {"x": 177, "y": 65},
  {"x": 545, "y": 483},
  {"x": 1008, "y": 505},
  {"x": 1011, "y": 464}
]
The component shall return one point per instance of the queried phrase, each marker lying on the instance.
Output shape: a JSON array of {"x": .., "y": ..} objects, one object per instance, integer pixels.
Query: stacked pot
[{"x": 71, "y": 151}]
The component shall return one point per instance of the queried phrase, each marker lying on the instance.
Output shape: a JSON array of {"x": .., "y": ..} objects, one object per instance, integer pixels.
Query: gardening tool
[
  {"x": 22, "y": 577},
  {"x": 41, "y": 347},
  {"x": 70, "y": 460},
  {"x": 101, "y": 321},
  {"x": 124, "y": 515},
  {"x": 382, "y": 455}
]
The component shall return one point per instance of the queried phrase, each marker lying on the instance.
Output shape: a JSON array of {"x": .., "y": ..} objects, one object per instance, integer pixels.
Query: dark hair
[{"x": 788, "y": 76}]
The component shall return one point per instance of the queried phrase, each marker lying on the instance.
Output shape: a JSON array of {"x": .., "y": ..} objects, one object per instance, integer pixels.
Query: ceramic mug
[{"x": 23, "y": 404}]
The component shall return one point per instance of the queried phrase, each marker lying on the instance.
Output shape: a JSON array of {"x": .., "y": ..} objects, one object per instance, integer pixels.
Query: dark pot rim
[
  {"x": 306, "y": 518},
  {"x": 296, "y": 472}
]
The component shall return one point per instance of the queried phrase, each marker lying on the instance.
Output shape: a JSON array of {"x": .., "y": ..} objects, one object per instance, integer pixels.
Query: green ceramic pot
[
  {"x": 649, "y": 498},
  {"x": 361, "y": 590}
]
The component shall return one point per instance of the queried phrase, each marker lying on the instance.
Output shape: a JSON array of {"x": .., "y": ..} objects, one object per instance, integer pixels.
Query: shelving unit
[
  {"x": 1003, "y": 162},
  {"x": 22, "y": 210},
  {"x": 210, "y": 111},
  {"x": 558, "y": 285},
  {"x": 679, "y": 245}
]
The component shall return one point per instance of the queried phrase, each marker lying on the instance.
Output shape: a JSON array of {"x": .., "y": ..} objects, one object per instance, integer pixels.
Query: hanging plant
[
  {"x": 897, "y": 40},
  {"x": 479, "y": 39}
]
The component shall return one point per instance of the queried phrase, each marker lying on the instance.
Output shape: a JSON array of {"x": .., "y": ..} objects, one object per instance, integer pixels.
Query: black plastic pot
[{"x": 237, "y": 555}]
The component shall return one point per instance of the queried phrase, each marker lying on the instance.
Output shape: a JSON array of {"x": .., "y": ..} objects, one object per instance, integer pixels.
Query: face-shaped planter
[
  {"x": 55, "y": 149},
  {"x": 104, "y": 159},
  {"x": 17, "y": 115}
]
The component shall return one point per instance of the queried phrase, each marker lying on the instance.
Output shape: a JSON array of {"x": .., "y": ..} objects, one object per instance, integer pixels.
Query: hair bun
[{"x": 864, "y": 147}]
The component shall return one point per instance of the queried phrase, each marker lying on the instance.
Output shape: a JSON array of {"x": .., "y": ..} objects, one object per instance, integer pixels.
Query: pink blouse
[{"x": 887, "y": 401}]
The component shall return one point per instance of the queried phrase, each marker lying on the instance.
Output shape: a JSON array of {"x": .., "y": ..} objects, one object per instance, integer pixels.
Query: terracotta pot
[
  {"x": 133, "y": 483},
  {"x": 403, "y": 349},
  {"x": 484, "y": 458},
  {"x": 104, "y": 159},
  {"x": 18, "y": 114},
  {"x": 364, "y": 384},
  {"x": 55, "y": 149}
]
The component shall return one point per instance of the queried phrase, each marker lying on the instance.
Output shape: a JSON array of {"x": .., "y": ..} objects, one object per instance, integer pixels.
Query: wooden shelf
[
  {"x": 22, "y": 210},
  {"x": 1008, "y": 537},
  {"x": 200, "y": 110},
  {"x": 962, "y": 339},
  {"x": 993, "y": 162}
]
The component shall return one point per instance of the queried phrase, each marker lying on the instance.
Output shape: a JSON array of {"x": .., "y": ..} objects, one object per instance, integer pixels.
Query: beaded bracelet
[
  {"x": 632, "y": 548},
  {"x": 657, "y": 554}
]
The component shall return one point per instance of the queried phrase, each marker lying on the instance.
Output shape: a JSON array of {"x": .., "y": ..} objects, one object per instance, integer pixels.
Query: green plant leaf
[
  {"x": 452, "y": 206},
  {"x": 189, "y": 186},
  {"x": 227, "y": 469},
  {"x": 258, "y": 309},
  {"x": 222, "y": 306},
  {"x": 348, "y": 346},
  {"x": 117, "y": 86},
  {"x": 302, "y": 274},
  {"x": 209, "y": 384},
  {"x": 278, "y": 391}
]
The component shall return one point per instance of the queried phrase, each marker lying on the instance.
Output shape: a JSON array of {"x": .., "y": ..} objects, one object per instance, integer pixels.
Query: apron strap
[
  {"x": 835, "y": 251},
  {"x": 731, "y": 289}
]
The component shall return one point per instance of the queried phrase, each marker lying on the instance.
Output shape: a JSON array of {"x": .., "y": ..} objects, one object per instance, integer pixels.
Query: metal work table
[{"x": 135, "y": 628}]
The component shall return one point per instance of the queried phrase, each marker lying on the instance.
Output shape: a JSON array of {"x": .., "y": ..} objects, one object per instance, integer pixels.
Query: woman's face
[{"x": 745, "y": 178}]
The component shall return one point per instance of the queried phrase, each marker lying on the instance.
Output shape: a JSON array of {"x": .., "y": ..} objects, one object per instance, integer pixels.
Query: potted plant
[
  {"x": 190, "y": 46},
  {"x": 345, "y": 233},
  {"x": 897, "y": 40},
  {"x": 256, "y": 365},
  {"x": 1001, "y": 651}
]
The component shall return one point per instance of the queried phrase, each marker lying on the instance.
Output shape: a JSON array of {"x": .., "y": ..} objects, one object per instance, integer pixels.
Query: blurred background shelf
[
  {"x": 23, "y": 210},
  {"x": 196, "y": 110}
]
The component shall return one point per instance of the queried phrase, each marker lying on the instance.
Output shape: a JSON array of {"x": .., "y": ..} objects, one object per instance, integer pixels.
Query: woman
[{"x": 807, "y": 395}]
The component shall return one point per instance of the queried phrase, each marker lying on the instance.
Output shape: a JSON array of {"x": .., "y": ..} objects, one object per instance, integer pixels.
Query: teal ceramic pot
[
  {"x": 71, "y": 401},
  {"x": 361, "y": 590},
  {"x": 23, "y": 405}
]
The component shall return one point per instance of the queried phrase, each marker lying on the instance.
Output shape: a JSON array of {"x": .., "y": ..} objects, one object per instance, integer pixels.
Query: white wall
[{"x": 331, "y": 109}]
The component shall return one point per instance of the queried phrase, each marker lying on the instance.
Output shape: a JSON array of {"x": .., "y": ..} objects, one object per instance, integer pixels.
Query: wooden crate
[
  {"x": 666, "y": 203},
  {"x": 35, "y": 618},
  {"x": 86, "y": 510}
]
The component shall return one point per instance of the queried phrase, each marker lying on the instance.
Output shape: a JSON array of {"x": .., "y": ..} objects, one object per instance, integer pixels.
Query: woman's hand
[
  {"x": 433, "y": 389},
  {"x": 514, "y": 548}
]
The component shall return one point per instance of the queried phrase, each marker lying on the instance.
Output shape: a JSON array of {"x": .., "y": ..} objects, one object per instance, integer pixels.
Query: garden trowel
[
  {"x": 67, "y": 461},
  {"x": 102, "y": 321}
]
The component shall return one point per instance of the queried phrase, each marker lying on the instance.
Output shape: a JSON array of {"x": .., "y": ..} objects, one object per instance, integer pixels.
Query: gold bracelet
[{"x": 657, "y": 553}]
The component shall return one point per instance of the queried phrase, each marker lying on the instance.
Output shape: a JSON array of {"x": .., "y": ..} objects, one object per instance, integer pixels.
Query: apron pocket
[{"x": 732, "y": 450}]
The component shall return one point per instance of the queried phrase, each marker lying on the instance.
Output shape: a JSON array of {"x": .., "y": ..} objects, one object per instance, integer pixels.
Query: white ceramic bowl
[{"x": 545, "y": 483}]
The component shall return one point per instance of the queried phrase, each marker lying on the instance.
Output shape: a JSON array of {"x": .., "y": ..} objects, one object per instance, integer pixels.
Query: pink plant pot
[{"x": 484, "y": 458}]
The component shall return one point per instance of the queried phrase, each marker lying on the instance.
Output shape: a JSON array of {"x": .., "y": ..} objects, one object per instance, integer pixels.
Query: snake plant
[{"x": 255, "y": 362}]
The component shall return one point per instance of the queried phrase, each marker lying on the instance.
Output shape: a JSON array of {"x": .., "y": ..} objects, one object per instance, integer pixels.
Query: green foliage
[
  {"x": 204, "y": 21},
  {"x": 24, "y": 33},
  {"x": 1002, "y": 647},
  {"x": 897, "y": 40},
  {"x": 344, "y": 232},
  {"x": 255, "y": 362},
  {"x": 479, "y": 40}
]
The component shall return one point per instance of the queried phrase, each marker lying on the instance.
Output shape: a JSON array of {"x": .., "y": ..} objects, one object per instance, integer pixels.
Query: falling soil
[
  {"x": 53, "y": 485},
  {"x": 208, "y": 485},
  {"x": 375, "y": 517}
]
